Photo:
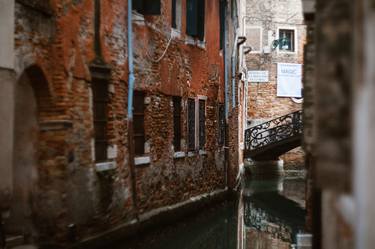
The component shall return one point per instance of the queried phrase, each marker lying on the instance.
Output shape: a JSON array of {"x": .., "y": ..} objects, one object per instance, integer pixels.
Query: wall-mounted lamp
[
  {"x": 241, "y": 40},
  {"x": 283, "y": 42},
  {"x": 247, "y": 49}
]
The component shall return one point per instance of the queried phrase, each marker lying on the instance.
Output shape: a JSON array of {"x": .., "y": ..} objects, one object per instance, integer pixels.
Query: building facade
[
  {"x": 338, "y": 122},
  {"x": 66, "y": 171},
  {"x": 276, "y": 35}
]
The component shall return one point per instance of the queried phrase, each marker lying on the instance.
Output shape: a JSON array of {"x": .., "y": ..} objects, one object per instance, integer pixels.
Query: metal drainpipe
[{"x": 131, "y": 80}]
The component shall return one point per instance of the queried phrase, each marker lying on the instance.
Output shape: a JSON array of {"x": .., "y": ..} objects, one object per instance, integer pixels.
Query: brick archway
[{"x": 32, "y": 104}]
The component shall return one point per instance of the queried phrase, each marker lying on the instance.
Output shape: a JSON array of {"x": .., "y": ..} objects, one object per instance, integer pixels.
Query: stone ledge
[
  {"x": 179, "y": 154},
  {"x": 143, "y": 160},
  {"x": 105, "y": 166}
]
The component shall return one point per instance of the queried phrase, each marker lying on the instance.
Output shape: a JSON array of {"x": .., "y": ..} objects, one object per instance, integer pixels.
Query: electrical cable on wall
[{"x": 163, "y": 54}]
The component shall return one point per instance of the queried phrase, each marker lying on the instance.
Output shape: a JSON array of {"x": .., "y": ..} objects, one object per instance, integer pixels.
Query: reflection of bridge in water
[{"x": 271, "y": 220}]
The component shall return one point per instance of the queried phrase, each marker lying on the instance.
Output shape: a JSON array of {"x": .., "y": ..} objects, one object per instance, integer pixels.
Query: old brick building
[
  {"x": 264, "y": 23},
  {"x": 339, "y": 118},
  {"x": 65, "y": 170}
]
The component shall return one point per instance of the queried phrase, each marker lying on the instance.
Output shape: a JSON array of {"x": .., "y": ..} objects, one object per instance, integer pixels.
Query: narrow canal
[{"x": 267, "y": 215}]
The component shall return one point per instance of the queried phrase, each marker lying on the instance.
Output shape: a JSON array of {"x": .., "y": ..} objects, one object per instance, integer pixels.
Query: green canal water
[{"x": 267, "y": 214}]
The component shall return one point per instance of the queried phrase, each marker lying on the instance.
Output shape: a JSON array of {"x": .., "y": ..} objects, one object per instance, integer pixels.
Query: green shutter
[
  {"x": 192, "y": 17},
  {"x": 201, "y": 19}
]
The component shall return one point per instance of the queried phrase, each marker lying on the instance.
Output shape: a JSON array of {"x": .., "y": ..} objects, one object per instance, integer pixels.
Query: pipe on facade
[{"x": 131, "y": 81}]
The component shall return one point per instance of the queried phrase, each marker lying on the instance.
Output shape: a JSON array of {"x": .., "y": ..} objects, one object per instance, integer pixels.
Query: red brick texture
[{"x": 61, "y": 46}]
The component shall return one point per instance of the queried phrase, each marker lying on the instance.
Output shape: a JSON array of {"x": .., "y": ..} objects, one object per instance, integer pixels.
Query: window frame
[
  {"x": 103, "y": 121},
  {"x": 141, "y": 115},
  {"x": 144, "y": 7},
  {"x": 177, "y": 116},
  {"x": 290, "y": 28},
  {"x": 198, "y": 121},
  {"x": 199, "y": 31},
  {"x": 190, "y": 129},
  {"x": 222, "y": 21},
  {"x": 221, "y": 124}
]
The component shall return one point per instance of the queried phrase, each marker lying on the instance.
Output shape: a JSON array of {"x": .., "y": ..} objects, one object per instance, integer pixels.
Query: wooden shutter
[
  {"x": 191, "y": 124},
  {"x": 177, "y": 123},
  {"x": 151, "y": 7},
  {"x": 174, "y": 14},
  {"x": 192, "y": 17},
  {"x": 222, "y": 23},
  {"x": 201, "y": 19},
  {"x": 139, "y": 129},
  {"x": 202, "y": 124},
  {"x": 100, "y": 103},
  {"x": 221, "y": 127}
]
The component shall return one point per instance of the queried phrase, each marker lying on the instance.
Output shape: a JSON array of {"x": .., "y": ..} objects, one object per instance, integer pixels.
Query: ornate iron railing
[{"x": 274, "y": 131}]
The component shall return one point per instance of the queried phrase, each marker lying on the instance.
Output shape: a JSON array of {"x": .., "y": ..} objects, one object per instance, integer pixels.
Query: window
[
  {"x": 202, "y": 124},
  {"x": 222, "y": 23},
  {"x": 100, "y": 104},
  {"x": 254, "y": 38},
  {"x": 191, "y": 124},
  {"x": 221, "y": 138},
  {"x": 139, "y": 128},
  {"x": 287, "y": 40},
  {"x": 177, "y": 123},
  {"x": 195, "y": 18},
  {"x": 174, "y": 14},
  {"x": 147, "y": 7}
]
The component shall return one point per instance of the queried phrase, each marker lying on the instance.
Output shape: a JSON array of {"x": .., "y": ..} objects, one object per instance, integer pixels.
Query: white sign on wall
[
  {"x": 289, "y": 80},
  {"x": 258, "y": 76}
]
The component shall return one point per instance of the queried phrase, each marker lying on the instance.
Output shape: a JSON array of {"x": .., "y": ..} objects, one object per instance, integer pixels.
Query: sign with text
[
  {"x": 289, "y": 80},
  {"x": 258, "y": 76}
]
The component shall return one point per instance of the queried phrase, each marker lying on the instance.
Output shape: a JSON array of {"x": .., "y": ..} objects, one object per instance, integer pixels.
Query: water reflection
[
  {"x": 266, "y": 215},
  {"x": 272, "y": 213},
  {"x": 210, "y": 228}
]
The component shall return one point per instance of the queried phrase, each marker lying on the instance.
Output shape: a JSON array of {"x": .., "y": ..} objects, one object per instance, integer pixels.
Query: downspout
[
  {"x": 131, "y": 80},
  {"x": 234, "y": 59}
]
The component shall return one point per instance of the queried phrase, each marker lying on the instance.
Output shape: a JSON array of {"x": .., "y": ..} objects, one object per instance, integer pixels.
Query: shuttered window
[
  {"x": 222, "y": 23},
  {"x": 100, "y": 105},
  {"x": 177, "y": 123},
  {"x": 174, "y": 14},
  {"x": 202, "y": 124},
  {"x": 139, "y": 127},
  {"x": 147, "y": 7},
  {"x": 191, "y": 124},
  {"x": 221, "y": 137},
  {"x": 195, "y": 18}
]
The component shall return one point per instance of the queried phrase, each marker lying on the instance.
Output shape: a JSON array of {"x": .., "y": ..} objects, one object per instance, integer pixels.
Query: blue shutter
[{"x": 192, "y": 17}]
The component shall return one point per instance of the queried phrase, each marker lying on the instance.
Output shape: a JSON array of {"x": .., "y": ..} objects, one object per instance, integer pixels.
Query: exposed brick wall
[
  {"x": 62, "y": 46},
  {"x": 263, "y": 103}
]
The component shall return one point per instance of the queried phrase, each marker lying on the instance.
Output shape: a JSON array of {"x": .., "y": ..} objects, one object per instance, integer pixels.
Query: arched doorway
[{"x": 31, "y": 91}]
